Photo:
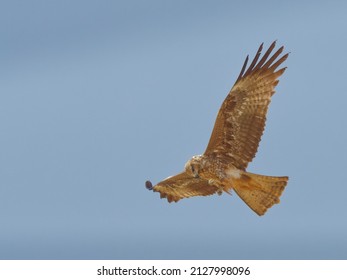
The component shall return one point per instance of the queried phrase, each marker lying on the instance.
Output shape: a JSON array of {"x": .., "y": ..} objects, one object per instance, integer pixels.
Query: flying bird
[{"x": 234, "y": 142}]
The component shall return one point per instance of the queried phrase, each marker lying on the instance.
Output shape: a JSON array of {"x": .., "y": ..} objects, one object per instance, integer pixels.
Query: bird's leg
[
  {"x": 214, "y": 182},
  {"x": 223, "y": 187}
]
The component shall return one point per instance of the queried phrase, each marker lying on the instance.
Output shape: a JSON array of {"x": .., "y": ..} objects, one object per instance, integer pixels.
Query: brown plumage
[{"x": 234, "y": 142}]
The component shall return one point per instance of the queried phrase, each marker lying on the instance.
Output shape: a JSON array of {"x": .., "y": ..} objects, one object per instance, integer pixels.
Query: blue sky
[{"x": 96, "y": 97}]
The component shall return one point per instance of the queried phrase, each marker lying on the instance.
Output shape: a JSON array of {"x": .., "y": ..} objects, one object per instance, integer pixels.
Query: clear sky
[{"x": 96, "y": 97}]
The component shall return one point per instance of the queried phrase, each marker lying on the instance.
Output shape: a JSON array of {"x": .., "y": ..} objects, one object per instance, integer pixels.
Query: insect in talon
[{"x": 149, "y": 185}]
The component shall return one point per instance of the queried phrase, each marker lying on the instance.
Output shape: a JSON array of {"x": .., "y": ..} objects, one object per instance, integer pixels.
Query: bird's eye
[{"x": 193, "y": 169}]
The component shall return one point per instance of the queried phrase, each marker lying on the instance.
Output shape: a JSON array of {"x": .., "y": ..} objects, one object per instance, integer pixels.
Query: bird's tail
[{"x": 259, "y": 192}]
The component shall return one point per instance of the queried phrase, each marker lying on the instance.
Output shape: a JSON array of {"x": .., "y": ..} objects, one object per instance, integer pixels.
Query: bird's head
[{"x": 193, "y": 166}]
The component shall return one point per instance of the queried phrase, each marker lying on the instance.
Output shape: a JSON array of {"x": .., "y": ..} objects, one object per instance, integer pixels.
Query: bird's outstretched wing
[
  {"x": 183, "y": 185},
  {"x": 241, "y": 119}
]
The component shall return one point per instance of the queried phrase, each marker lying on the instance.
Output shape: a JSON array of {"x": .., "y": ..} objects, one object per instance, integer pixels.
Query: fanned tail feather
[{"x": 259, "y": 192}]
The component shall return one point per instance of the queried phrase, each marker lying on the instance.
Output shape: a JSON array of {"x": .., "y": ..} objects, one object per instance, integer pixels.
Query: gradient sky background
[{"x": 96, "y": 97}]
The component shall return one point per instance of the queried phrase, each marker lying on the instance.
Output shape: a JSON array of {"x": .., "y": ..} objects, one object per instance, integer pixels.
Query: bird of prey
[{"x": 234, "y": 142}]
